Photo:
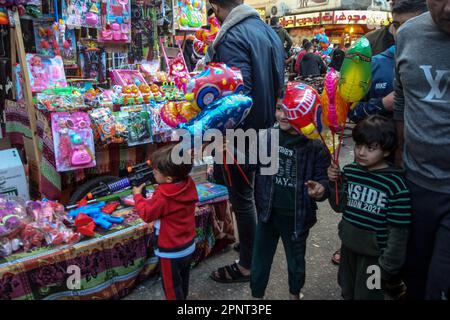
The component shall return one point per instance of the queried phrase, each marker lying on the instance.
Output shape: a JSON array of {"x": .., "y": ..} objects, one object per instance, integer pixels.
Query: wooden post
[
  {"x": 12, "y": 42},
  {"x": 17, "y": 34}
]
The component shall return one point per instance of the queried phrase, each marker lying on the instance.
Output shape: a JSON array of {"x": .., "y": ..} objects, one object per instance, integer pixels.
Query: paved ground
[{"x": 321, "y": 274}]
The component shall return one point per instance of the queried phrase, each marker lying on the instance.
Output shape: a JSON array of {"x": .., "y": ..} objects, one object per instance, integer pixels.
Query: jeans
[
  {"x": 427, "y": 266},
  {"x": 242, "y": 199}
]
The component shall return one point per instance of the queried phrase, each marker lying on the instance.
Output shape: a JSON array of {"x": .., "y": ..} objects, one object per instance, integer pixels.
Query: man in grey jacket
[{"x": 422, "y": 111}]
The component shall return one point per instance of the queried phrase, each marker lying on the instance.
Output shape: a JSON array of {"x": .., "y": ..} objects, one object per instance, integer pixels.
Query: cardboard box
[{"x": 12, "y": 174}]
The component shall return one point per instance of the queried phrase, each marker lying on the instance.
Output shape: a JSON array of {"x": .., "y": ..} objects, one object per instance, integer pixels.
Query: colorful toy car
[{"x": 216, "y": 81}]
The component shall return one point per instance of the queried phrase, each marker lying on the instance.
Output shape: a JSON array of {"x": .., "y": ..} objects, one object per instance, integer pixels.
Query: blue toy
[{"x": 95, "y": 212}]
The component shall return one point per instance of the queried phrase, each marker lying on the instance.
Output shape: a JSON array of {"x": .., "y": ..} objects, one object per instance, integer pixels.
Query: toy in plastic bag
[
  {"x": 73, "y": 141},
  {"x": 107, "y": 128},
  {"x": 12, "y": 215},
  {"x": 60, "y": 99}
]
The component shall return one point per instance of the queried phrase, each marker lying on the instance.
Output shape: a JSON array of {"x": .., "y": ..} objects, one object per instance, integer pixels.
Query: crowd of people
[{"x": 395, "y": 195}]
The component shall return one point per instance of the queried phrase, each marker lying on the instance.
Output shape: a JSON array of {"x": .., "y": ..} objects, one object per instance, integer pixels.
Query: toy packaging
[
  {"x": 45, "y": 72},
  {"x": 117, "y": 22},
  {"x": 12, "y": 219},
  {"x": 138, "y": 125},
  {"x": 108, "y": 129},
  {"x": 81, "y": 13},
  {"x": 13, "y": 181},
  {"x": 93, "y": 62},
  {"x": 60, "y": 99},
  {"x": 73, "y": 140},
  {"x": 189, "y": 14}
]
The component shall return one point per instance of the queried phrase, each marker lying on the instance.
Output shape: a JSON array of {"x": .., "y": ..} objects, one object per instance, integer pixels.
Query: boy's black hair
[
  {"x": 307, "y": 45},
  {"x": 409, "y": 6},
  {"x": 376, "y": 129},
  {"x": 162, "y": 160},
  {"x": 274, "y": 21}
]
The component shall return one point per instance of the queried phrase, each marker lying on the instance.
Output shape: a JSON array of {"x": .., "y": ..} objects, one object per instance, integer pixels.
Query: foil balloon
[
  {"x": 301, "y": 105},
  {"x": 225, "y": 113},
  {"x": 334, "y": 108},
  {"x": 174, "y": 113},
  {"x": 217, "y": 80},
  {"x": 356, "y": 71}
]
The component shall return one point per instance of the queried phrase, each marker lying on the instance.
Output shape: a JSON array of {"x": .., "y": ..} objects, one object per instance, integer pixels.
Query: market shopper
[
  {"x": 172, "y": 207},
  {"x": 286, "y": 205},
  {"x": 376, "y": 208},
  {"x": 380, "y": 98},
  {"x": 242, "y": 36},
  {"x": 284, "y": 36},
  {"x": 421, "y": 108},
  {"x": 311, "y": 64}
]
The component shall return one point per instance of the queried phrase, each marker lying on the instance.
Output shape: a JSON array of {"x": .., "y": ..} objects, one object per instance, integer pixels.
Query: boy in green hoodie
[{"x": 376, "y": 207}]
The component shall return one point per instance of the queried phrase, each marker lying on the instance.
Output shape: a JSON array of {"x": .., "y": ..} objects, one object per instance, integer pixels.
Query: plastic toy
[
  {"x": 3, "y": 17},
  {"x": 217, "y": 80},
  {"x": 107, "y": 128},
  {"x": 189, "y": 14},
  {"x": 81, "y": 13},
  {"x": 117, "y": 27},
  {"x": 93, "y": 62},
  {"x": 334, "y": 108},
  {"x": 60, "y": 99},
  {"x": 205, "y": 37},
  {"x": 137, "y": 175},
  {"x": 325, "y": 48},
  {"x": 45, "y": 73},
  {"x": 138, "y": 126},
  {"x": 95, "y": 212},
  {"x": 356, "y": 71},
  {"x": 12, "y": 214},
  {"x": 225, "y": 113},
  {"x": 301, "y": 105},
  {"x": 73, "y": 140}
]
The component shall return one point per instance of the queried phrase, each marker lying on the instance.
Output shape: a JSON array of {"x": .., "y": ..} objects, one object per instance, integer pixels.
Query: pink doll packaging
[
  {"x": 45, "y": 72},
  {"x": 73, "y": 140}
]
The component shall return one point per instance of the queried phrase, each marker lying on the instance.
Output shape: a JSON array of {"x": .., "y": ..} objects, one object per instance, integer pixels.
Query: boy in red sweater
[{"x": 172, "y": 207}]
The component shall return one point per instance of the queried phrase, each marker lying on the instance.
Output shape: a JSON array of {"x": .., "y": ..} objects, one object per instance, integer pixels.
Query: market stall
[{"x": 97, "y": 87}]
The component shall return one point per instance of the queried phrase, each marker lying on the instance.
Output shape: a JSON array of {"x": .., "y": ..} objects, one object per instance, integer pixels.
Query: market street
[{"x": 321, "y": 274}]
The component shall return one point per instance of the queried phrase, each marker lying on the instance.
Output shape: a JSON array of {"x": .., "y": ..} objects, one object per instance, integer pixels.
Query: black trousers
[
  {"x": 427, "y": 267},
  {"x": 175, "y": 276}
]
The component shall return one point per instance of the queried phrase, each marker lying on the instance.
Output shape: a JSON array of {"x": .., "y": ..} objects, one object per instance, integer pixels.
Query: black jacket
[
  {"x": 312, "y": 65},
  {"x": 313, "y": 160},
  {"x": 253, "y": 47},
  {"x": 285, "y": 39}
]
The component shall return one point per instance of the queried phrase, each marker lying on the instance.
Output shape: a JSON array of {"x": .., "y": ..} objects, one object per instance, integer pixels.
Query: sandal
[
  {"x": 336, "y": 258},
  {"x": 233, "y": 271}
]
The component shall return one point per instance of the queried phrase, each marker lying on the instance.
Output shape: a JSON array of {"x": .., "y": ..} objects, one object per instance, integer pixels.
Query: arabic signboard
[
  {"x": 361, "y": 17},
  {"x": 336, "y": 17}
]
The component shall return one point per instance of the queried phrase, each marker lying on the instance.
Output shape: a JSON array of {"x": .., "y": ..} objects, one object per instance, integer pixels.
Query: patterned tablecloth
[{"x": 110, "y": 264}]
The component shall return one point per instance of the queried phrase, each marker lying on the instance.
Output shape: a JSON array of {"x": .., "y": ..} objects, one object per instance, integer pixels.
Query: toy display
[
  {"x": 117, "y": 22},
  {"x": 189, "y": 14},
  {"x": 93, "y": 211},
  {"x": 45, "y": 73},
  {"x": 226, "y": 113},
  {"x": 138, "y": 125},
  {"x": 73, "y": 136},
  {"x": 81, "y": 13},
  {"x": 217, "y": 80},
  {"x": 107, "y": 128},
  {"x": 356, "y": 71},
  {"x": 60, "y": 99},
  {"x": 55, "y": 39},
  {"x": 93, "y": 62},
  {"x": 301, "y": 105},
  {"x": 334, "y": 108}
]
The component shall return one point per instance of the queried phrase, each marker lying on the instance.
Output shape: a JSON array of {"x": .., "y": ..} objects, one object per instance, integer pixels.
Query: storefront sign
[
  {"x": 361, "y": 17},
  {"x": 327, "y": 17},
  {"x": 310, "y": 19},
  {"x": 288, "y": 21}
]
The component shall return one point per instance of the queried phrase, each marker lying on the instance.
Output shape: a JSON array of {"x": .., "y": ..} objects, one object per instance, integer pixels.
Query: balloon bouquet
[{"x": 310, "y": 115}]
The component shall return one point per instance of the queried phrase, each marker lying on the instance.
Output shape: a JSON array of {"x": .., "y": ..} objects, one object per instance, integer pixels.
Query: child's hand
[
  {"x": 315, "y": 189},
  {"x": 138, "y": 190},
  {"x": 334, "y": 172}
]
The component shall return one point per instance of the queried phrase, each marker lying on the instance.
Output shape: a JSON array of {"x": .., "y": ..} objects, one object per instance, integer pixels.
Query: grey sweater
[{"x": 422, "y": 101}]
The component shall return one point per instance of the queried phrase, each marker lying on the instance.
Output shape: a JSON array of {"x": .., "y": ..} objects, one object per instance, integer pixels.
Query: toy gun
[
  {"x": 137, "y": 175},
  {"x": 95, "y": 212}
]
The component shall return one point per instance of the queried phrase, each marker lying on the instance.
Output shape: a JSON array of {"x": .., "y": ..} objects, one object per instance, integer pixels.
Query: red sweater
[{"x": 174, "y": 204}]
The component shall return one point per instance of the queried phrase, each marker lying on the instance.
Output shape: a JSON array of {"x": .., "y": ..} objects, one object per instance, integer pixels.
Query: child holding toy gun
[{"x": 172, "y": 207}]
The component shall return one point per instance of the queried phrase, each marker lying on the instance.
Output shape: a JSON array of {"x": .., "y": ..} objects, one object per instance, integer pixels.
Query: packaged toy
[
  {"x": 45, "y": 72},
  {"x": 108, "y": 129},
  {"x": 73, "y": 140}
]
